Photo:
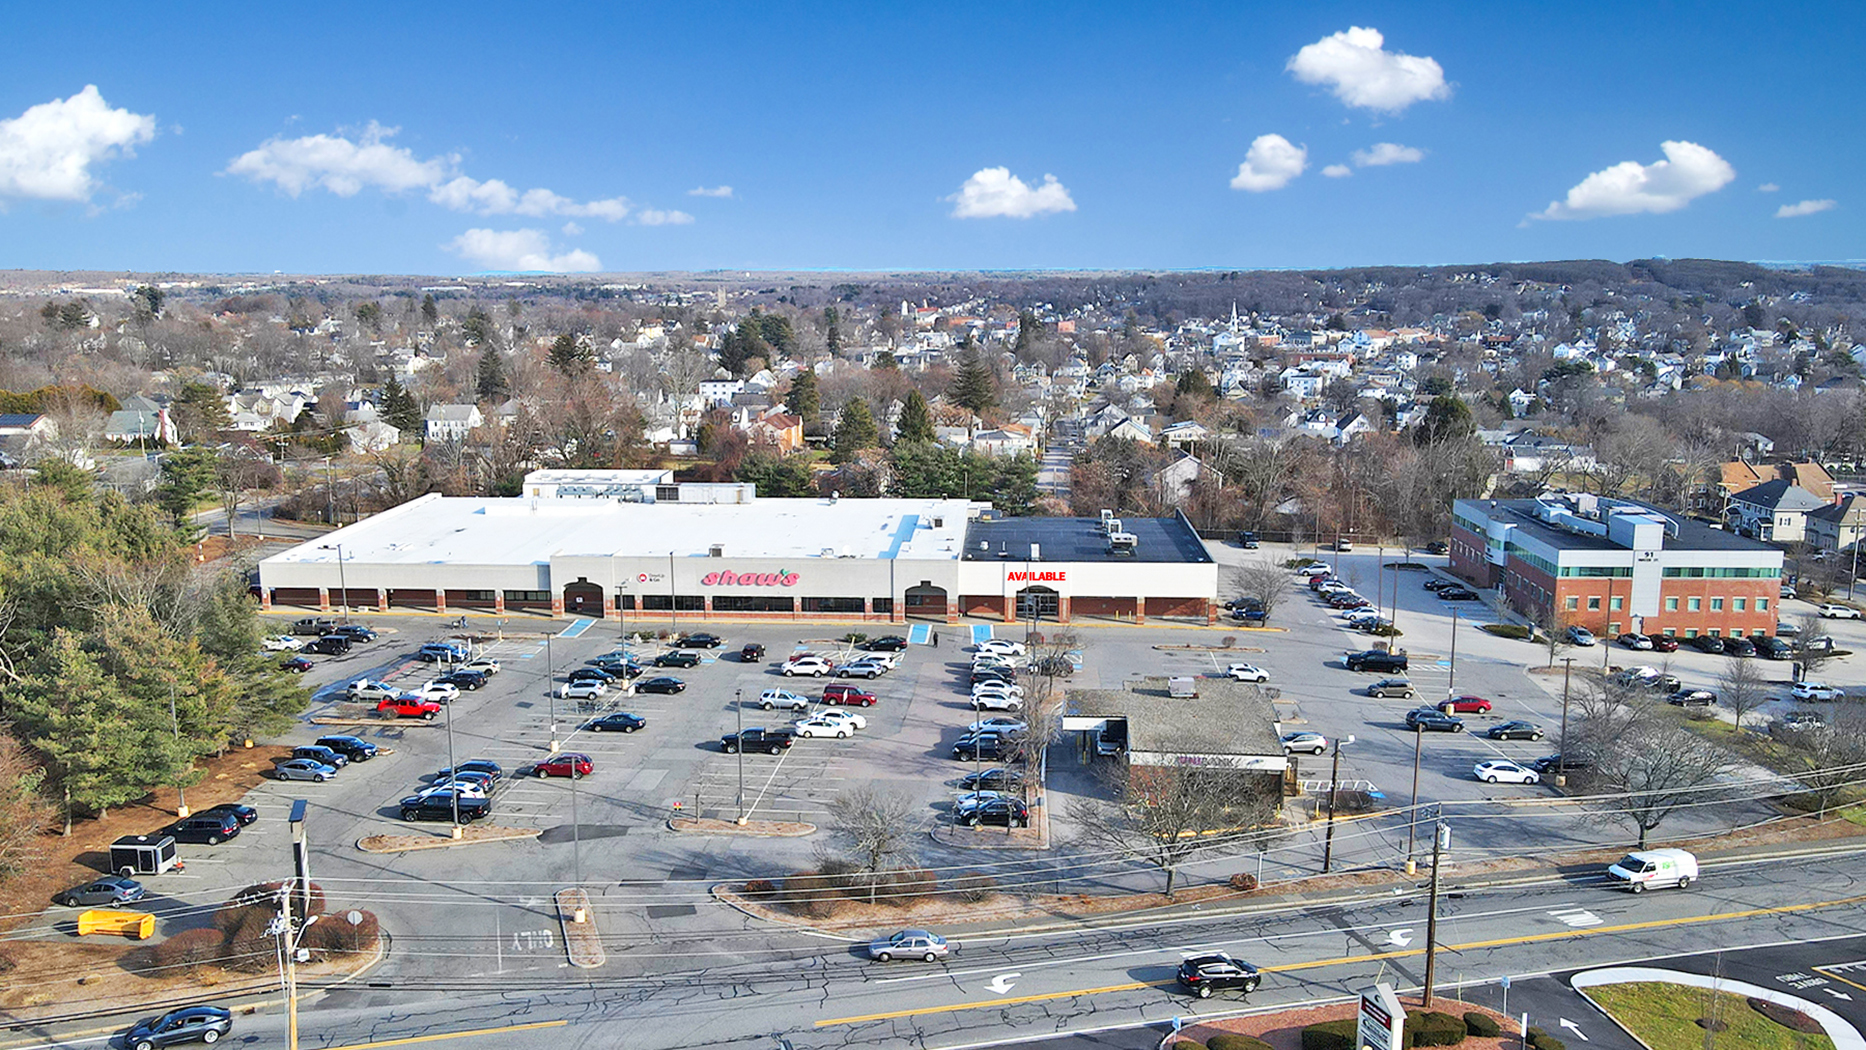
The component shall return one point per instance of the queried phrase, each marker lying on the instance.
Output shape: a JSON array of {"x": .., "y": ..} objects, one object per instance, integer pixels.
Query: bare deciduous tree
[
  {"x": 1647, "y": 764},
  {"x": 1741, "y": 687},
  {"x": 1827, "y": 759},
  {"x": 877, "y": 825},
  {"x": 1268, "y": 583},
  {"x": 1815, "y": 644},
  {"x": 1158, "y": 814}
]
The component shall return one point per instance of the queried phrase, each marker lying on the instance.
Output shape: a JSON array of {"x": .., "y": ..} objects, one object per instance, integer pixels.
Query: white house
[{"x": 452, "y": 422}]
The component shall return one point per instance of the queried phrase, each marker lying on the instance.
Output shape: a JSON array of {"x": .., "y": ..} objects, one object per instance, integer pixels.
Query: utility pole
[
  {"x": 453, "y": 770},
  {"x": 1561, "y": 756},
  {"x": 1334, "y": 779},
  {"x": 1441, "y": 838},
  {"x": 1451, "y": 680},
  {"x": 738, "y": 708},
  {"x": 286, "y": 927},
  {"x": 330, "y": 495},
  {"x": 1412, "y": 811}
]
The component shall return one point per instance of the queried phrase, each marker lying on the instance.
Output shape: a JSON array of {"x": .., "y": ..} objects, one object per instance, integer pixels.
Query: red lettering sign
[
  {"x": 1058, "y": 576},
  {"x": 749, "y": 579}
]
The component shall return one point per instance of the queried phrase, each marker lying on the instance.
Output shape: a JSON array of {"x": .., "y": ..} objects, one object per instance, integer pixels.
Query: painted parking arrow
[
  {"x": 1575, "y": 1028},
  {"x": 1002, "y": 982},
  {"x": 1838, "y": 994},
  {"x": 1400, "y": 938}
]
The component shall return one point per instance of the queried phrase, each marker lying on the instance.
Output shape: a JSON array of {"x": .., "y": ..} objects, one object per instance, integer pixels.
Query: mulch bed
[
  {"x": 471, "y": 834},
  {"x": 766, "y": 828},
  {"x": 1283, "y": 1029},
  {"x": 583, "y": 945}
]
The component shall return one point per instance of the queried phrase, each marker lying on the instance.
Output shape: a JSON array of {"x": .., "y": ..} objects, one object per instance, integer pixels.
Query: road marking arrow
[
  {"x": 1576, "y": 1029},
  {"x": 1002, "y": 982},
  {"x": 1400, "y": 938},
  {"x": 1839, "y": 994}
]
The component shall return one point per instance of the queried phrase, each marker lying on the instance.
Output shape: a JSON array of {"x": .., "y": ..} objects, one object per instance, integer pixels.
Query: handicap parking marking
[
  {"x": 576, "y": 629},
  {"x": 919, "y": 634},
  {"x": 981, "y": 633}
]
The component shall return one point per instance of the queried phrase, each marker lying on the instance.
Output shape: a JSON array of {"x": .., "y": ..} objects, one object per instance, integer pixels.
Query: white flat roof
[{"x": 440, "y": 530}]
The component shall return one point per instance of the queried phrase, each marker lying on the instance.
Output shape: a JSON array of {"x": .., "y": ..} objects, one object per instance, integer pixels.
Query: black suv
[
  {"x": 700, "y": 641},
  {"x": 1377, "y": 660},
  {"x": 1432, "y": 720},
  {"x": 1004, "y": 812},
  {"x": 439, "y": 805},
  {"x": 676, "y": 659},
  {"x": 770, "y": 741},
  {"x": 1217, "y": 972},
  {"x": 465, "y": 679},
  {"x": 1247, "y": 540},
  {"x": 353, "y": 748},
  {"x": 329, "y": 645},
  {"x": 190, "y": 1024},
  {"x": 356, "y": 632},
  {"x": 1708, "y": 643},
  {"x": 210, "y": 828},
  {"x": 1739, "y": 647},
  {"x": 1547, "y": 764},
  {"x": 330, "y": 756},
  {"x": 986, "y": 745}
]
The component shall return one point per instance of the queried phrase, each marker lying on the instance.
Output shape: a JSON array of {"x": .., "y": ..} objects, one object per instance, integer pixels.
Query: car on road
[
  {"x": 814, "y": 666},
  {"x": 1432, "y": 720},
  {"x": 817, "y": 725},
  {"x": 770, "y": 741},
  {"x": 998, "y": 724},
  {"x": 1466, "y": 705},
  {"x": 996, "y": 778},
  {"x": 572, "y": 764},
  {"x": 618, "y": 722},
  {"x": 1247, "y": 673},
  {"x": 699, "y": 640},
  {"x": 1635, "y": 640},
  {"x": 1834, "y": 611},
  {"x": 887, "y": 643},
  {"x": 1208, "y": 973},
  {"x": 676, "y": 658},
  {"x": 408, "y": 707},
  {"x": 296, "y": 665},
  {"x": 1581, "y": 636},
  {"x": 660, "y": 684},
  {"x": 582, "y": 690},
  {"x": 329, "y": 645},
  {"x": 282, "y": 643},
  {"x": 439, "y": 805},
  {"x": 1393, "y": 687},
  {"x": 190, "y": 1024},
  {"x": 1457, "y": 594},
  {"x": 863, "y": 669},
  {"x": 1376, "y": 660},
  {"x": 1654, "y": 869},
  {"x": 842, "y": 718},
  {"x": 1503, "y": 771},
  {"x": 1817, "y": 691},
  {"x": 485, "y": 665},
  {"x": 1514, "y": 731},
  {"x": 1739, "y": 647},
  {"x": 842, "y": 693},
  {"x": 1708, "y": 643},
  {"x": 1692, "y": 698},
  {"x": 1313, "y": 743},
  {"x": 1664, "y": 643},
  {"x": 771, "y": 699},
  {"x": 356, "y": 749},
  {"x": 303, "y": 769},
  {"x": 108, "y": 891},
  {"x": 751, "y": 653},
  {"x": 464, "y": 680},
  {"x": 997, "y": 701},
  {"x": 1003, "y": 811},
  {"x": 910, "y": 944}
]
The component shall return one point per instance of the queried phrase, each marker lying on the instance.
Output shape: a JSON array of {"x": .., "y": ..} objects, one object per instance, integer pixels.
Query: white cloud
[
  {"x": 571, "y": 229},
  {"x": 1361, "y": 73},
  {"x": 525, "y": 250},
  {"x": 1337, "y": 171},
  {"x": 1380, "y": 154},
  {"x": 1270, "y": 165},
  {"x": 1795, "y": 211},
  {"x": 657, "y": 217},
  {"x": 47, "y": 152},
  {"x": 1768, "y": 187},
  {"x": 996, "y": 193},
  {"x": 715, "y": 191},
  {"x": 1688, "y": 171}
]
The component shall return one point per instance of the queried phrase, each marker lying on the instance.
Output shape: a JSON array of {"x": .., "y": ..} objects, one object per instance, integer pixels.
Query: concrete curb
[
  {"x": 755, "y": 828},
  {"x": 583, "y": 945},
  {"x": 412, "y": 843}
]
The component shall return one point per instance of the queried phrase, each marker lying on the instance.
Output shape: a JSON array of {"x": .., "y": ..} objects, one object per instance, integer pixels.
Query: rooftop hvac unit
[
  {"x": 717, "y": 550},
  {"x": 1036, "y": 552},
  {"x": 1183, "y": 688},
  {"x": 1123, "y": 542},
  {"x": 1113, "y": 525},
  {"x": 1106, "y": 514}
]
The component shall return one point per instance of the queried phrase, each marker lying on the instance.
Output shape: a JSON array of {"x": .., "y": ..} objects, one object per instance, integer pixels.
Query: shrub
[
  {"x": 1243, "y": 882},
  {"x": 1481, "y": 1024},
  {"x": 905, "y": 886},
  {"x": 1233, "y": 1041},
  {"x": 1786, "y": 1016},
  {"x": 1231, "y": 641},
  {"x": 1541, "y": 1040},
  {"x": 1509, "y": 630},
  {"x": 187, "y": 951},
  {"x": 1386, "y": 630},
  {"x": 855, "y": 638},
  {"x": 760, "y": 888},
  {"x": 1433, "y": 1028},
  {"x": 1186, "y": 1044},
  {"x": 973, "y": 886},
  {"x": 1330, "y": 1035},
  {"x": 339, "y": 933}
]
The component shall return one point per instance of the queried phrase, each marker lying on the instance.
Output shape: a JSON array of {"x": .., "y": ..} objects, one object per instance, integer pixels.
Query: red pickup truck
[{"x": 409, "y": 707}]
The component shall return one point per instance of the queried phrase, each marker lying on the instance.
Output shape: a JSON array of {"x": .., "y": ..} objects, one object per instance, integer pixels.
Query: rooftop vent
[
  {"x": 1183, "y": 688},
  {"x": 717, "y": 550}
]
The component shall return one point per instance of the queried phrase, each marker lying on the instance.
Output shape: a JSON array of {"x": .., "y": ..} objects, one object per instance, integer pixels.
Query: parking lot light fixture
[
  {"x": 738, "y": 708},
  {"x": 1334, "y": 777},
  {"x": 342, "y": 584}
]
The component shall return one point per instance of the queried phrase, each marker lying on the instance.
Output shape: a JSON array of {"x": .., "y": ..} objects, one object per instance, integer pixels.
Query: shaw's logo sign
[
  {"x": 1036, "y": 577},
  {"x": 749, "y": 579}
]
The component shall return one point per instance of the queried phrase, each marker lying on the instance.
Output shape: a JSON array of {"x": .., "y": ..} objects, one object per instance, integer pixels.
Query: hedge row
[{"x": 817, "y": 893}]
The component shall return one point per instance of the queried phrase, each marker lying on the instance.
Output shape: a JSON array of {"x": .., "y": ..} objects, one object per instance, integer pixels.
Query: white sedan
[
  {"x": 817, "y": 725},
  {"x": 439, "y": 692},
  {"x": 1817, "y": 691},
  {"x": 847, "y": 718},
  {"x": 997, "y": 702},
  {"x": 1247, "y": 673},
  {"x": 1001, "y": 647},
  {"x": 998, "y": 724},
  {"x": 283, "y": 643},
  {"x": 485, "y": 665},
  {"x": 1499, "y": 771},
  {"x": 1837, "y": 612},
  {"x": 814, "y": 666}
]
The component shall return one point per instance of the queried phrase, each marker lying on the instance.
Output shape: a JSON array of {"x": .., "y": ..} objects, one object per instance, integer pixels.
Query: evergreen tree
[
  {"x": 776, "y": 477},
  {"x": 742, "y": 344},
  {"x": 1028, "y": 328},
  {"x": 885, "y": 361},
  {"x": 834, "y": 340},
  {"x": 855, "y": 431},
  {"x": 188, "y": 475},
  {"x": 803, "y": 399},
  {"x": 973, "y": 386},
  {"x": 1446, "y": 419},
  {"x": 430, "y": 310},
  {"x": 477, "y": 329},
  {"x": 490, "y": 376},
  {"x": 200, "y": 411},
  {"x": 399, "y": 408},
  {"x": 776, "y": 331},
  {"x": 570, "y": 356},
  {"x": 1192, "y": 381},
  {"x": 916, "y": 423}
]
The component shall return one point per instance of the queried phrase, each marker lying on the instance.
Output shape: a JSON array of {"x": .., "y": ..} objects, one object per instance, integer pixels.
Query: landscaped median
[
  {"x": 1671, "y": 1010},
  {"x": 1331, "y": 1027},
  {"x": 470, "y": 835},
  {"x": 783, "y": 829}
]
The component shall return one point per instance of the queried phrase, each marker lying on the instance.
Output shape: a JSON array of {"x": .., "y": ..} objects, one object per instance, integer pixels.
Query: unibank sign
[
  {"x": 1051, "y": 576},
  {"x": 749, "y": 579}
]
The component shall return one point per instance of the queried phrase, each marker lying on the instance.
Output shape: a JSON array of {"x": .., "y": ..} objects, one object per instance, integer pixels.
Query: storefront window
[{"x": 833, "y": 605}]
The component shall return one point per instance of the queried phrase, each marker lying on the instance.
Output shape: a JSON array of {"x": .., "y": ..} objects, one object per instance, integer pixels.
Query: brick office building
[{"x": 1614, "y": 565}]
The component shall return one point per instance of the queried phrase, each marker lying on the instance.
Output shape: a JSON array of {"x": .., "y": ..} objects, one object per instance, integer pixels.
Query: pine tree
[
  {"x": 803, "y": 399},
  {"x": 430, "y": 310},
  {"x": 399, "y": 410},
  {"x": 570, "y": 357},
  {"x": 1028, "y": 328},
  {"x": 834, "y": 340},
  {"x": 916, "y": 422},
  {"x": 855, "y": 431},
  {"x": 973, "y": 386},
  {"x": 490, "y": 377}
]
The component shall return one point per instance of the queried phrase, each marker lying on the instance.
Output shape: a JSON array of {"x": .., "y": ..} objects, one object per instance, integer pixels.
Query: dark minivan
[{"x": 210, "y": 828}]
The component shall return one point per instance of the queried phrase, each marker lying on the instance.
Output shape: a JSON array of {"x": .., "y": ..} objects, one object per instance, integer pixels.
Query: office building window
[
  {"x": 1716, "y": 605},
  {"x": 1671, "y": 605},
  {"x": 1696, "y": 604},
  {"x": 1739, "y": 604},
  {"x": 1573, "y": 603},
  {"x": 1593, "y": 604},
  {"x": 1614, "y": 603},
  {"x": 1762, "y": 605}
]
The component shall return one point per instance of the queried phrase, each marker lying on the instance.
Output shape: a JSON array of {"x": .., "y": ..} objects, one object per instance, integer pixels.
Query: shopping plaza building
[
  {"x": 620, "y": 544},
  {"x": 1614, "y": 566}
]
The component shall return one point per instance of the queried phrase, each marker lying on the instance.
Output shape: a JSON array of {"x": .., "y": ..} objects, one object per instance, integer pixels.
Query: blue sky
[{"x": 403, "y": 139}]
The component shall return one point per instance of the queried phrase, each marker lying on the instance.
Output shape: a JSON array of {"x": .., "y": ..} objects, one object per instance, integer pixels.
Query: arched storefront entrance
[
  {"x": 1038, "y": 602},
  {"x": 926, "y": 602},
  {"x": 583, "y": 598}
]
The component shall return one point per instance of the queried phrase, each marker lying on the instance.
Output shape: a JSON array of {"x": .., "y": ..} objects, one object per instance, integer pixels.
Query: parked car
[
  {"x": 1634, "y": 640},
  {"x": 676, "y": 658},
  {"x": 1001, "y": 647},
  {"x": 1376, "y": 660},
  {"x": 592, "y": 674},
  {"x": 1692, "y": 698},
  {"x": 439, "y": 805},
  {"x": 751, "y": 652},
  {"x": 862, "y": 669},
  {"x": 296, "y": 665},
  {"x": 1817, "y": 691},
  {"x": 303, "y": 769},
  {"x": 1581, "y": 636},
  {"x": 1457, "y": 594},
  {"x": 1803, "y": 720},
  {"x": 408, "y": 707},
  {"x": 842, "y": 693},
  {"x": 909, "y": 944},
  {"x": 1739, "y": 647},
  {"x": 1835, "y": 611},
  {"x": 775, "y": 698},
  {"x": 1549, "y": 765},
  {"x": 1249, "y": 616},
  {"x": 660, "y": 684},
  {"x": 1432, "y": 720},
  {"x": 770, "y": 741},
  {"x": 815, "y": 666},
  {"x": 887, "y": 643},
  {"x": 1708, "y": 643},
  {"x": 485, "y": 665},
  {"x": 1393, "y": 687},
  {"x": 842, "y": 718},
  {"x": 1313, "y": 743},
  {"x": 356, "y": 749},
  {"x": 997, "y": 701},
  {"x": 108, "y": 891},
  {"x": 244, "y": 814},
  {"x": 572, "y": 764},
  {"x": 474, "y": 765},
  {"x": 282, "y": 643},
  {"x": 617, "y": 722},
  {"x": 996, "y": 778},
  {"x": 319, "y": 753},
  {"x": 1247, "y": 673},
  {"x": 1465, "y": 705},
  {"x": 329, "y": 645},
  {"x": 1664, "y": 643},
  {"x": 369, "y": 689},
  {"x": 998, "y": 724},
  {"x": 210, "y": 829},
  {"x": 464, "y": 680},
  {"x": 977, "y": 746},
  {"x": 1517, "y": 730},
  {"x": 466, "y": 785},
  {"x": 1207, "y": 974},
  {"x": 1503, "y": 771},
  {"x": 190, "y": 1024},
  {"x": 436, "y": 652},
  {"x": 817, "y": 725},
  {"x": 1774, "y": 649},
  {"x": 1012, "y": 688},
  {"x": 583, "y": 689},
  {"x": 1248, "y": 540},
  {"x": 699, "y": 640},
  {"x": 993, "y": 674},
  {"x": 1437, "y": 584},
  {"x": 1438, "y": 547},
  {"x": 1314, "y": 569},
  {"x": 1003, "y": 811},
  {"x": 314, "y": 626},
  {"x": 356, "y": 632}
]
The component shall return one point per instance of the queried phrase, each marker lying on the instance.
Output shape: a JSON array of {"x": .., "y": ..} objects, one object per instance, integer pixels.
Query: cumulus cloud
[
  {"x": 657, "y": 217},
  {"x": 47, "y": 152},
  {"x": 1768, "y": 187},
  {"x": 1688, "y": 172},
  {"x": 525, "y": 250},
  {"x": 993, "y": 193},
  {"x": 714, "y": 191},
  {"x": 1380, "y": 154},
  {"x": 346, "y": 166},
  {"x": 1270, "y": 165},
  {"x": 1356, "y": 66},
  {"x": 1795, "y": 211},
  {"x": 571, "y": 229},
  {"x": 1337, "y": 171}
]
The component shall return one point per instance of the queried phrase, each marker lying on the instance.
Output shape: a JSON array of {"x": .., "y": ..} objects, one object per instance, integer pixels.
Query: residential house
[
  {"x": 22, "y": 435},
  {"x": 1007, "y": 440},
  {"x": 1172, "y": 484},
  {"x": 373, "y": 435},
  {"x": 1183, "y": 433},
  {"x": 452, "y": 422},
  {"x": 141, "y": 420},
  {"x": 1131, "y": 429},
  {"x": 1838, "y": 526},
  {"x": 1774, "y": 510}
]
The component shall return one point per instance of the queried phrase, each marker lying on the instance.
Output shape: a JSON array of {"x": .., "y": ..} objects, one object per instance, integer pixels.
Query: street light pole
[
  {"x": 1561, "y": 756},
  {"x": 1412, "y": 811},
  {"x": 550, "y": 690},
  {"x": 343, "y": 583},
  {"x": 1334, "y": 779},
  {"x": 453, "y": 771},
  {"x": 738, "y": 708},
  {"x": 1451, "y": 679}
]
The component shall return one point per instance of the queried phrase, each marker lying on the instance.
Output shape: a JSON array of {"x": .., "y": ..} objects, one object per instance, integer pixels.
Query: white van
[{"x": 1654, "y": 869}]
